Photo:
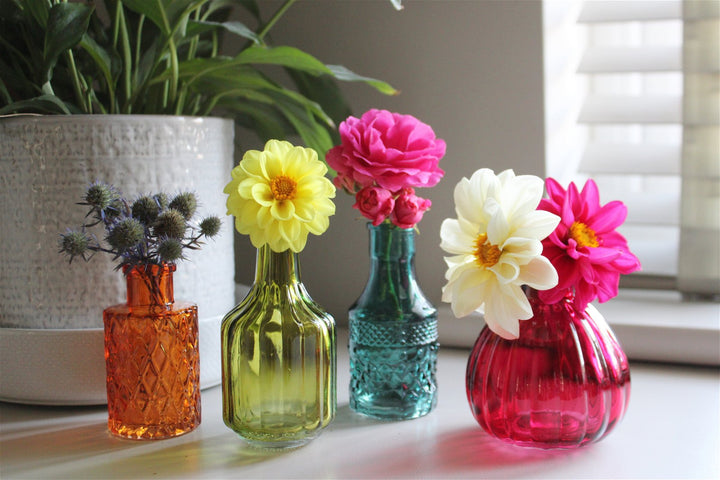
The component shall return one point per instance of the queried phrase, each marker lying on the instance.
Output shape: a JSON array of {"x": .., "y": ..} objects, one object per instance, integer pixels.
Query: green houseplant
[
  {"x": 138, "y": 93},
  {"x": 164, "y": 57}
]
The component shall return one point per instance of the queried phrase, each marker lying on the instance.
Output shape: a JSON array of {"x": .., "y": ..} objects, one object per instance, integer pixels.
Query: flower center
[
  {"x": 486, "y": 253},
  {"x": 583, "y": 235},
  {"x": 283, "y": 188}
]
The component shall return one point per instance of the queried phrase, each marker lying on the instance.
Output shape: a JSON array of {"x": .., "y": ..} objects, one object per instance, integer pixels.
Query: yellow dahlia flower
[{"x": 280, "y": 195}]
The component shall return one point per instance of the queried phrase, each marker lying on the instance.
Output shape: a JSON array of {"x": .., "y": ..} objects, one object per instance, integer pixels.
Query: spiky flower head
[
  {"x": 162, "y": 200},
  {"x": 210, "y": 226},
  {"x": 145, "y": 209},
  {"x": 185, "y": 203},
  {"x": 170, "y": 250},
  {"x": 101, "y": 196},
  {"x": 74, "y": 243},
  {"x": 171, "y": 224},
  {"x": 127, "y": 233}
]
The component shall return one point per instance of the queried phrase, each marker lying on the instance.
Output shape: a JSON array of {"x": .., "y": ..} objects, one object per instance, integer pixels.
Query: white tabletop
[{"x": 671, "y": 430}]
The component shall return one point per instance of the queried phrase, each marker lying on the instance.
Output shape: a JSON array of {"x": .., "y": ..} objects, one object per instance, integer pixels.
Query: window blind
[
  {"x": 632, "y": 101},
  {"x": 632, "y": 111}
]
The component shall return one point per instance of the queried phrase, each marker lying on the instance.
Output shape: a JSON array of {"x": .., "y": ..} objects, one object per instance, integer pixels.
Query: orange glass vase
[{"x": 152, "y": 359}]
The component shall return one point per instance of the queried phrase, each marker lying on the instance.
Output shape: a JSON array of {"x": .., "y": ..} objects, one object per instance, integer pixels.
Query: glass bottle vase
[
  {"x": 393, "y": 333},
  {"x": 152, "y": 359},
  {"x": 278, "y": 359},
  {"x": 563, "y": 383}
]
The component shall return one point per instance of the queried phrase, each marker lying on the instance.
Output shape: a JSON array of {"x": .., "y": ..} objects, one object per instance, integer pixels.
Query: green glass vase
[
  {"x": 278, "y": 359},
  {"x": 393, "y": 333}
]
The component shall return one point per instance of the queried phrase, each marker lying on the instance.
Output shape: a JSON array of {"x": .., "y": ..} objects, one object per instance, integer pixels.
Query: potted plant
[{"x": 137, "y": 93}]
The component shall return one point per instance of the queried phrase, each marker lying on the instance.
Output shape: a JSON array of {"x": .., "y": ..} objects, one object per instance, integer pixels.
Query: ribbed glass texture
[
  {"x": 278, "y": 359},
  {"x": 563, "y": 383},
  {"x": 152, "y": 359},
  {"x": 393, "y": 333}
]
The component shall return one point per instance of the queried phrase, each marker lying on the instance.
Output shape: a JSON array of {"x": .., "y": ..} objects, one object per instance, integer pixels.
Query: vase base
[
  {"x": 277, "y": 444},
  {"x": 392, "y": 411},
  {"x": 152, "y": 432},
  {"x": 544, "y": 430}
]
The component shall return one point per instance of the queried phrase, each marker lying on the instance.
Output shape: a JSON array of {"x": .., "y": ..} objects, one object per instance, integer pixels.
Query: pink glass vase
[{"x": 563, "y": 383}]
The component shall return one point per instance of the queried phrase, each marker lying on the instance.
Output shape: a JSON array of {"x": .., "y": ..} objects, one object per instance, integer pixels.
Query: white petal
[
  {"x": 522, "y": 194},
  {"x": 538, "y": 274},
  {"x": 454, "y": 239},
  {"x": 537, "y": 224},
  {"x": 506, "y": 272},
  {"x": 468, "y": 201},
  {"x": 468, "y": 292},
  {"x": 507, "y": 307}
]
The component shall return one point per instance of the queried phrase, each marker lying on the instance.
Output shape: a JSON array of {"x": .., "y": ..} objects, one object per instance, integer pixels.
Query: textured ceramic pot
[{"x": 46, "y": 164}]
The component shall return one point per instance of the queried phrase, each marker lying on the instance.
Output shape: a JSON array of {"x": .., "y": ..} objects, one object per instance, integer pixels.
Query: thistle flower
[
  {"x": 101, "y": 196},
  {"x": 74, "y": 244},
  {"x": 210, "y": 226},
  {"x": 185, "y": 203},
  {"x": 146, "y": 209},
  {"x": 170, "y": 223},
  {"x": 170, "y": 250},
  {"x": 147, "y": 232},
  {"x": 127, "y": 234}
]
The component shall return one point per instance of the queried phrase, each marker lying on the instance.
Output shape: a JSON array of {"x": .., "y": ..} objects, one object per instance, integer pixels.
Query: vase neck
[
  {"x": 279, "y": 268},
  {"x": 392, "y": 245},
  {"x": 149, "y": 284}
]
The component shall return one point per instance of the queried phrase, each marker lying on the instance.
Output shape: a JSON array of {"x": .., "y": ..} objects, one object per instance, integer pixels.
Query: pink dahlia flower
[
  {"x": 587, "y": 252},
  {"x": 409, "y": 209},
  {"x": 387, "y": 149},
  {"x": 374, "y": 203}
]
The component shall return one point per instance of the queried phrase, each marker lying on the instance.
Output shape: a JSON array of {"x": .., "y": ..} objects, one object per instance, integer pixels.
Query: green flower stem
[
  {"x": 126, "y": 53},
  {"x": 77, "y": 86},
  {"x": 280, "y": 12},
  {"x": 174, "y": 66},
  {"x": 393, "y": 291}
]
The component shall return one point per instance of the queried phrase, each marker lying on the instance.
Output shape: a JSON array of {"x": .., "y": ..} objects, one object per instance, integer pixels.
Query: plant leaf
[
  {"x": 39, "y": 9},
  {"x": 237, "y": 28},
  {"x": 313, "y": 134},
  {"x": 283, "y": 56},
  {"x": 109, "y": 66},
  {"x": 323, "y": 90},
  {"x": 342, "y": 73},
  {"x": 66, "y": 25},
  {"x": 41, "y": 104}
]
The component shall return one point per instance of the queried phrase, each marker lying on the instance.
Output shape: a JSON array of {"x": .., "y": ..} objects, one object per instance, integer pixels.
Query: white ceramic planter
[{"x": 46, "y": 164}]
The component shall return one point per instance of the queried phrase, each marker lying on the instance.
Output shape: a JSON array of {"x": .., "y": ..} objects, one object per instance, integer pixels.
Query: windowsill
[
  {"x": 651, "y": 325},
  {"x": 658, "y": 438}
]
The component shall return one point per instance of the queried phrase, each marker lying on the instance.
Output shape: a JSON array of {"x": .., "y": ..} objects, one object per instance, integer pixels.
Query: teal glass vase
[
  {"x": 279, "y": 363},
  {"x": 393, "y": 333}
]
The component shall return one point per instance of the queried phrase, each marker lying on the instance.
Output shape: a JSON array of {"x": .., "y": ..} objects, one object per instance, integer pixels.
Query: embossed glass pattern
[
  {"x": 563, "y": 383},
  {"x": 278, "y": 359},
  {"x": 393, "y": 333},
  {"x": 152, "y": 359}
]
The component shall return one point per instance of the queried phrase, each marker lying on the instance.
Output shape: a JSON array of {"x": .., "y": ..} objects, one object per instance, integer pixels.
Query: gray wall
[{"x": 471, "y": 69}]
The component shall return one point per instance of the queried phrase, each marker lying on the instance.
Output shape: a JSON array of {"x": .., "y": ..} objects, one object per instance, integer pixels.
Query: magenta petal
[
  {"x": 590, "y": 198},
  {"x": 626, "y": 263},
  {"x": 555, "y": 191},
  {"x": 608, "y": 218},
  {"x": 603, "y": 255}
]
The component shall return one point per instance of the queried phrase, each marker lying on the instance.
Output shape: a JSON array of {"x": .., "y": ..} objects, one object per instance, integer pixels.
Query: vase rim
[{"x": 103, "y": 118}]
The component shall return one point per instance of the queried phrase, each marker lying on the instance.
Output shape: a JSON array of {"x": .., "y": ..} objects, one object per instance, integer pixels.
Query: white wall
[{"x": 471, "y": 69}]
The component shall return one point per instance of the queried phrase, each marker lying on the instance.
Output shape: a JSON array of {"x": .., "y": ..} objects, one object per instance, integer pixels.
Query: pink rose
[
  {"x": 409, "y": 209},
  {"x": 391, "y": 150},
  {"x": 374, "y": 203}
]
